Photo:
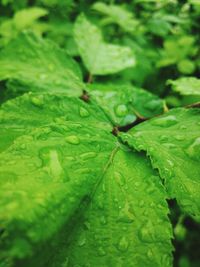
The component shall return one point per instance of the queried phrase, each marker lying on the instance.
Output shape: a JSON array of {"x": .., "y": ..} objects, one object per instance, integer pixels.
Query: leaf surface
[
  {"x": 56, "y": 171},
  {"x": 173, "y": 143},
  {"x": 122, "y": 103},
  {"x": 18, "y": 116},
  {"x": 126, "y": 223},
  {"x": 45, "y": 176},
  {"x": 33, "y": 64},
  {"x": 99, "y": 57}
]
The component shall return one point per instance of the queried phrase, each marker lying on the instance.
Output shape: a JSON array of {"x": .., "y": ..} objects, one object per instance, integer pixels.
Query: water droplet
[
  {"x": 87, "y": 225},
  {"x": 88, "y": 155},
  {"x": 194, "y": 149},
  {"x": 72, "y": 139},
  {"x": 164, "y": 138},
  {"x": 183, "y": 127},
  {"x": 125, "y": 214},
  {"x": 128, "y": 119},
  {"x": 152, "y": 104},
  {"x": 23, "y": 146},
  {"x": 65, "y": 263},
  {"x": 37, "y": 101},
  {"x": 103, "y": 220},
  {"x": 150, "y": 254},
  {"x": 123, "y": 244},
  {"x": 104, "y": 187},
  {"x": 141, "y": 203},
  {"x": 100, "y": 203},
  {"x": 119, "y": 178},
  {"x": 84, "y": 112},
  {"x": 164, "y": 121},
  {"x": 101, "y": 252},
  {"x": 179, "y": 137},
  {"x": 169, "y": 145},
  {"x": 121, "y": 110},
  {"x": 145, "y": 234},
  {"x": 166, "y": 260},
  {"x": 81, "y": 241}
]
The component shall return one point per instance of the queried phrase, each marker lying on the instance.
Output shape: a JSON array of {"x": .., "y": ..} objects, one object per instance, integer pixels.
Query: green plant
[{"x": 88, "y": 170}]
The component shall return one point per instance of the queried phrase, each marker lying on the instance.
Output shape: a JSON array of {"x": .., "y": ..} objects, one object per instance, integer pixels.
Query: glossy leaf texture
[
  {"x": 123, "y": 103},
  {"x": 45, "y": 176},
  {"x": 18, "y": 116},
  {"x": 47, "y": 172},
  {"x": 53, "y": 170},
  {"x": 39, "y": 66},
  {"x": 126, "y": 223},
  {"x": 99, "y": 57},
  {"x": 186, "y": 85},
  {"x": 173, "y": 143}
]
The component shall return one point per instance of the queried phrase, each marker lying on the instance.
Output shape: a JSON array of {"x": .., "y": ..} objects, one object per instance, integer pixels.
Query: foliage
[{"x": 95, "y": 170}]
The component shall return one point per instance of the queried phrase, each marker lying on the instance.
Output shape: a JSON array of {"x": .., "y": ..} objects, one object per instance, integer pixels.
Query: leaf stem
[{"x": 90, "y": 78}]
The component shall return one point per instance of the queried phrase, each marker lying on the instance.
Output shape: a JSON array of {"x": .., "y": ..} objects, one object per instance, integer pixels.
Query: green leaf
[
  {"x": 186, "y": 85},
  {"x": 51, "y": 171},
  {"x": 99, "y": 57},
  {"x": 26, "y": 17},
  {"x": 173, "y": 143},
  {"x": 46, "y": 176},
  {"x": 20, "y": 115},
  {"x": 126, "y": 223},
  {"x": 23, "y": 19},
  {"x": 34, "y": 64},
  {"x": 117, "y": 14},
  {"x": 122, "y": 103}
]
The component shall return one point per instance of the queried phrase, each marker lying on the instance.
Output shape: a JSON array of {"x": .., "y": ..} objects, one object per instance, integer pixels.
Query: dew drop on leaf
[
  {"x": 150, "y": 254},
  {"x": 81, "y": 241},
  {"x": 84, "y": 112},
  {"x": 125, "y": 214},
  {"x": 101, "y": 252},
  {"x": 121, "y": 110},
  {"x": 123, "y": 244},
  {"x": 163, "y": 138},
  {"x": 152, "y": 105},
  {"x": 103, "y": 220},
  {"x": 183, "y": 127},
  {"x": 128, "y": 119},
  {"x": 144, "y": 234},
  {"x": 165, "y": 121},
  {"x": 72, "y": 139},
  {"x": 37, "y": 101},
  {"x": 119, "y": 178},
  {"x": 193, "y": 150},
  {"x": 179, "y": 137}
]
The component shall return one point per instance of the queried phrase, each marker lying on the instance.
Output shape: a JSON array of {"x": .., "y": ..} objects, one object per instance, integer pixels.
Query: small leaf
[
  {"x": 117, "y": 14},
  {"x": 26, "y": 17},
  {"x": 173, "y": 143},
  {"x": 99, "y": 57},
  {"x": 186, "y": 85}
]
